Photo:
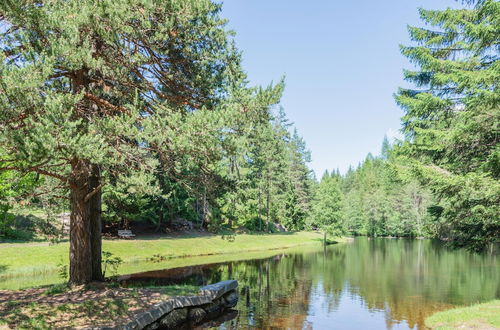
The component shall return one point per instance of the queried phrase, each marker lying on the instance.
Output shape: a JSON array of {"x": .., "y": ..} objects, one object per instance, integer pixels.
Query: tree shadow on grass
[
  {"x": 29, "y": 228},
  {"x": 227, "y": 234},
  {"x": 279, "y": 233},
  {"x": 328, "y": 241},
  {"x": 163, "y": 236}
]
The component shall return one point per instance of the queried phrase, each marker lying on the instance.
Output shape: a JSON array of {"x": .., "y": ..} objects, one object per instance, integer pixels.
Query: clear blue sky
[{"x": 342, "y": 65}]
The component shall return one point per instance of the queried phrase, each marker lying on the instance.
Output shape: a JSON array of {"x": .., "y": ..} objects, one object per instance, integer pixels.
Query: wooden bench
[{"x": 125, "y": 234}]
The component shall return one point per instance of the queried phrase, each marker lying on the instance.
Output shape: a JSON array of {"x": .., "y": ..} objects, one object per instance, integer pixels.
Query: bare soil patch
[{"x": 77, "y": 307}]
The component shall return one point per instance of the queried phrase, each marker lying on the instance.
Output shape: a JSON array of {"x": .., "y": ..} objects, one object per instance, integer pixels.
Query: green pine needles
[
  {"x": 452, "y": 119},
  {"x": 139, "y": 109}
]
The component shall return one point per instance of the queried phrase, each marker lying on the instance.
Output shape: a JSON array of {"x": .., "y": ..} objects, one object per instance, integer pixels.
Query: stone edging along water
[{"x": 212, "y": 301}]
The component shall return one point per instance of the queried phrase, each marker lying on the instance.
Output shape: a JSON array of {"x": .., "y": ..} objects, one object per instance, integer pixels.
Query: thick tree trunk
[
  {"x": 80, "y": 256},
  {"x": 95, "y": 212},
  {"x": 85, "y": 226}
]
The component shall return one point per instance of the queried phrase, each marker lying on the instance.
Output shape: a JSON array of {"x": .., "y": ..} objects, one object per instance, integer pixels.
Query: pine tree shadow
[
  {"x": 328, "y": 241},
  {"x": 3, "y": 268},
  {"x": 278, "y": 233}
]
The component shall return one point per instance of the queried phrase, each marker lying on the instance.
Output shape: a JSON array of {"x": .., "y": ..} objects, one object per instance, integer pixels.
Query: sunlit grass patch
[
  {"x": 480, "y": 316},
  {"x": 43, "y": 258},
  {"x": 170, "y": 290}
]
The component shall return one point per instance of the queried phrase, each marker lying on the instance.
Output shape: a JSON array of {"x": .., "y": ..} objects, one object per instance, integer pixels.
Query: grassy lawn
[
  {"x": 481, "y": 316},
  {"x": 23, "y": 258}
]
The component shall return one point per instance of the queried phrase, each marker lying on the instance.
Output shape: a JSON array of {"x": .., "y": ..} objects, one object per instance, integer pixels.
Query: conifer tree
[
  {"x": 452, "y": 116},
  {"x": 298, "y": 185},
  {"x": 380, "y": 200},
  {"x": 89, "y": 89},
  {"x": 327, "y": 213}
]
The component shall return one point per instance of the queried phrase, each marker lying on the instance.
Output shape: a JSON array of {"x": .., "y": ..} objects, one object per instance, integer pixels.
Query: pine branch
[
  {"x": 105, "y": 103},
  {"x": 93, "y": 192},
  {"x": 36, "y": 170}
]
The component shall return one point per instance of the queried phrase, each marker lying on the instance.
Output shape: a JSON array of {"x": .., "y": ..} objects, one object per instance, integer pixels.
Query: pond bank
[
  {"x": 156, "y": 252},
  {"x": 102, "y": 307},
  {"x": 479, "y": 316}
]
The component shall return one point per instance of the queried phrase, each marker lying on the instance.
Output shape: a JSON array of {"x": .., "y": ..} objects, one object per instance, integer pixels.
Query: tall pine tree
[
  {"x": 452, "y": 116},
  {"x": 88, "y": 89}
]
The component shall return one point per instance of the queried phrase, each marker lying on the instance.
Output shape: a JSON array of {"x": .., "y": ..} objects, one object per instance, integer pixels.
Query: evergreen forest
[{"x": 136, "y": 114}]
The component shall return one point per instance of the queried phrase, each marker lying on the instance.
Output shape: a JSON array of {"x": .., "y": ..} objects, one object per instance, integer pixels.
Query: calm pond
[{"x": 365, "y": 284}]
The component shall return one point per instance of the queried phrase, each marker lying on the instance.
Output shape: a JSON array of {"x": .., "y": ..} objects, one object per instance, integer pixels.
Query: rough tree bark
[
  {"x": 85, "y": 226},
  {"x": 95, "y": 211},
  {"x": 80, "y": 256}
]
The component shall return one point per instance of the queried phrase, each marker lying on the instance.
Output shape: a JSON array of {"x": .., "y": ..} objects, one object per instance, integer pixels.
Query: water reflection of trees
[
  {"x": 407, "y": 279},
  {"x": 410, "y": 279},
  {"x": 273, "y": 292}
]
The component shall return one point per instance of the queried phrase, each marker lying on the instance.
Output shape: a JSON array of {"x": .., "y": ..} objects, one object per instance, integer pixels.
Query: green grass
[
  {"x": 480, "y": 316},
  {"x": 172, "y": 290},
  {"x": 28, "y": 280},
  {"x": 25, "y": 259}
]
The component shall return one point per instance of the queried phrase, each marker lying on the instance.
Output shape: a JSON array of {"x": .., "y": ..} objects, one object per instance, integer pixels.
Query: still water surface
[{"x": 366, "y": 284}]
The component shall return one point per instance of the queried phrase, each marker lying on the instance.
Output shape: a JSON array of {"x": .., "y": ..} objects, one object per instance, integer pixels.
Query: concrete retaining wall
[{"x": 212, "y": 301}]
